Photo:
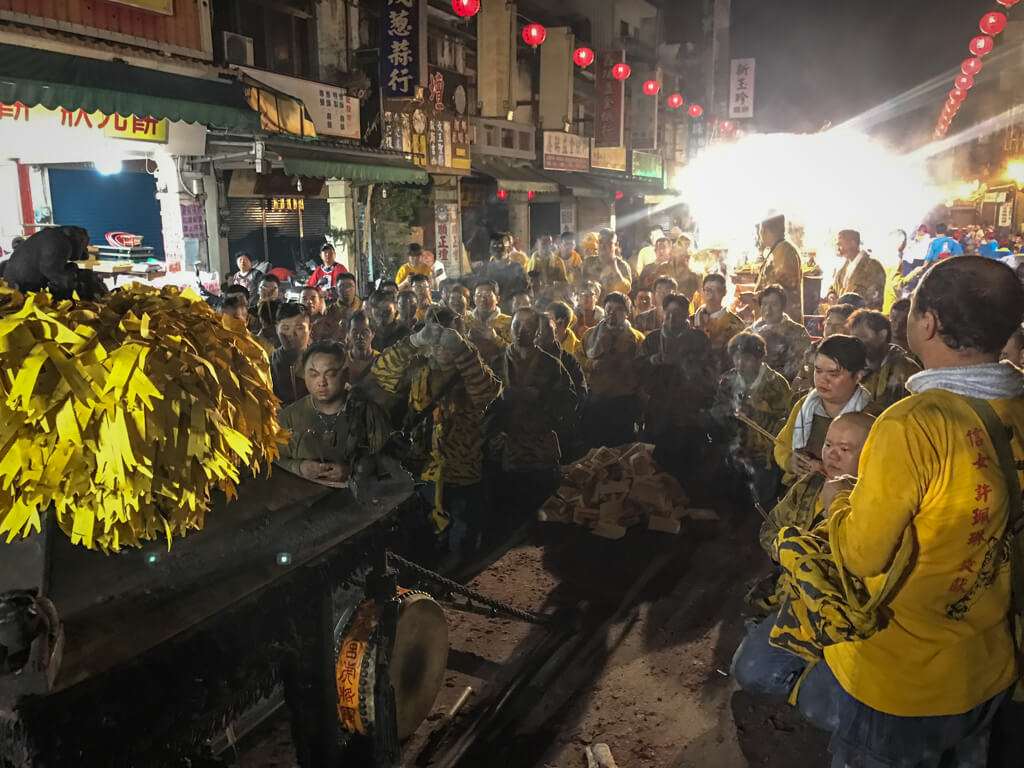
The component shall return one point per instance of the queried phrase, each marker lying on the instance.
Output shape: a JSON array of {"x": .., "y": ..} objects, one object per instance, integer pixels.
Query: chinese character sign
[
  {"x": 449, "y": 239},
  {"x": 610, "y": 107},
  {"x": 400, "y": 53},
  {"x": 113, "y": 126},
  {"x": 566, "y": 152},
  {"x": 643, "y": 118},
  {"x": 741, "y": 88}
]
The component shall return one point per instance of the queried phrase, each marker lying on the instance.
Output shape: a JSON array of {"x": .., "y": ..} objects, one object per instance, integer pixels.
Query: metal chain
[{"x": 454, "y": 586}]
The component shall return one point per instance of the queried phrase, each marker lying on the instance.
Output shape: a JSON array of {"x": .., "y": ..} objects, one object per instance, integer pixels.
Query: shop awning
[
  {"x": 57, "y": 80},
  {"x": 326, "y": 159},
  {"x": 513, "y": 178},
  {"x": 582, "y": 184},
  {"x": 356, "y": 164}
]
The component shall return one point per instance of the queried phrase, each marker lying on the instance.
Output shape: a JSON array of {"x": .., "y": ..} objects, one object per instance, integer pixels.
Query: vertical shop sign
[
  {"x": 449, "y": 240},
  {"x": 611, "y": 101},
  {"x": 643, "y": 115},
  {"x": 400, "y": 60},
  {"x": 741, "y": 88},
  {"x": 567, "y": 216}
]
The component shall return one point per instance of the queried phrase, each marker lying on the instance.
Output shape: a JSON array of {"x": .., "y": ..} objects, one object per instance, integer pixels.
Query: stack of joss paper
[
  {"x": 125, "y": 414},
  {"x": 612, "y": 489}
]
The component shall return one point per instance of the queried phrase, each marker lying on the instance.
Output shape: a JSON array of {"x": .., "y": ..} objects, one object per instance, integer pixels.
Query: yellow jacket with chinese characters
[{"x": 929, "y": 467}]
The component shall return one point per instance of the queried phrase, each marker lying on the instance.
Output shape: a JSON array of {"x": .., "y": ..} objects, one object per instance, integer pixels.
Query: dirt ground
[{"x": 644, "y": 670}]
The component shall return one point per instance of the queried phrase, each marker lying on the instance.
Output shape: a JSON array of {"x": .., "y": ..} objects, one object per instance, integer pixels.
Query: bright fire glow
[
  {"x": 1015, "y": 171},
  {"x": 822, "y": 182}
]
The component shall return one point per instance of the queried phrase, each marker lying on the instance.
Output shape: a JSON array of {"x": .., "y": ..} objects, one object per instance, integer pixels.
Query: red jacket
[{"x": 320, "y": 272}]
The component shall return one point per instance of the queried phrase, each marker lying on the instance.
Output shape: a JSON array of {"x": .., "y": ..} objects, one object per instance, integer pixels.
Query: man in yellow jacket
[
  {"x": 781, "y": 266},
  {"x": 923, "y": 689}
]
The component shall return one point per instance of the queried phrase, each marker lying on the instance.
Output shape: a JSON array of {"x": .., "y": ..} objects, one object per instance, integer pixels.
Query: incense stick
[
  {"x": 757, "y": 428},
  {"x": 765, "y": 515}
]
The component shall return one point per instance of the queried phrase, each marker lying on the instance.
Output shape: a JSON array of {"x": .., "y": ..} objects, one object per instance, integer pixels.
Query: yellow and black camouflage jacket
[{"x": 447, "y": 442}]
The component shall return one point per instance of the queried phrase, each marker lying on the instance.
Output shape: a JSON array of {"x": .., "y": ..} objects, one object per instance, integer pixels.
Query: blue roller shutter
[{"x": 120, "y": 202}]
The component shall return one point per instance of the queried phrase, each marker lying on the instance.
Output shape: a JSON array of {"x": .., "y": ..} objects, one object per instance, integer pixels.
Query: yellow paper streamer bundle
[{"x": 125, "y": 414}]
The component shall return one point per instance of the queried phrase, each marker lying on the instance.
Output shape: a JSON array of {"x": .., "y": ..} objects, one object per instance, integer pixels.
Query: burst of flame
[{"x": 822, "y": 182}]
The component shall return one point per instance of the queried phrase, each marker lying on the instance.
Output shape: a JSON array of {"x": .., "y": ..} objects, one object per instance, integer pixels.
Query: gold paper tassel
[{"x": 124, "y": 414}]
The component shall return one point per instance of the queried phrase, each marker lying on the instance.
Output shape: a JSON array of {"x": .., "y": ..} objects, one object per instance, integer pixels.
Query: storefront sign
[
  {"x": 448, "y": 99},
  {"x": 400, "y": 55},
  {"x": 647, "y": 165},
  {"x": 433, "y": 139},
  {"x": 278, "y": 204},
  {"x": 611, "y": 101},
  {"x": 608, "y": 158},
  {"x": 332, "y": 110},
  {"x": 567, "y": 217},
  {"x": 112, "y": 126},
  {"x": 193, "y": 221},
  {"x": 643, "y": 117},
  {"x": 1005, "y": 215},
  {"x": 449, "y": 239},
  {"x": 166, "y": 7},
  {"x": 994, "y": 197},
  {"x": 741, "y": 88},
  {"x": 566, "y": 152}
]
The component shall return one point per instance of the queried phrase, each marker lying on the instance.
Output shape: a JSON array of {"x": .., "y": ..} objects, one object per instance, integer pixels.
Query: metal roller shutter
[
  {"x": 245, "y": 230},
  {"x": 120, "y": 202}
]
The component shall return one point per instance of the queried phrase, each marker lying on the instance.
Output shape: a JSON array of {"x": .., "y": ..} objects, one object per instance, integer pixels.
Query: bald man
[
  {"x": 802, "y": 506},
  {"x": 758, "y": 666}
]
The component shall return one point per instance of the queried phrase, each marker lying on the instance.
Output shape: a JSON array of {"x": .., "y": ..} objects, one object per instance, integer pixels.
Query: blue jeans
[
  {"x": 863, "y": 737},
  {"x": 464, "y": 505},
  {"x": 762, "y": 668}
]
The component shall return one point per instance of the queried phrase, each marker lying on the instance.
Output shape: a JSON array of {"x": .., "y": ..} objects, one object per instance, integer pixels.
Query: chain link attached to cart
[{"x": 450, "y": 586}]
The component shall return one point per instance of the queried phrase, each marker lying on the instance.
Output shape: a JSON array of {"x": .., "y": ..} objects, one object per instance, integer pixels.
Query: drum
[{"x": 417, "y": 668}]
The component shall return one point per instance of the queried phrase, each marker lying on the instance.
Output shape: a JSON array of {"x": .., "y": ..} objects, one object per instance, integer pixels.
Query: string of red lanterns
[
  {"x": 535, "y": 34},
  {"x": 991, "y": 25}
]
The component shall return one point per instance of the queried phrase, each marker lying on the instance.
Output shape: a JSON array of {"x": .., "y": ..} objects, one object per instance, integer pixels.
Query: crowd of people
[{"x": 485, "y": 386}]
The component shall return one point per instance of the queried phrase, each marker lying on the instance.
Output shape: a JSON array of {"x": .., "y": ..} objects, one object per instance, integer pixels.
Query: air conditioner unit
[{"x": 238, "y": 49}]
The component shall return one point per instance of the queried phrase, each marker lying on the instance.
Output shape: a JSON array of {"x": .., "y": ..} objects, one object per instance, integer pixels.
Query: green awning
[
  {"x": 55, "y": 80},
  {"x": 366, "y": 168},
  {"x": 514, "y": 178}
]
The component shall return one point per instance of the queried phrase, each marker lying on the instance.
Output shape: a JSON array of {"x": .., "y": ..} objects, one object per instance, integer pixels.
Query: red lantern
[
  {"x": 675, "y": 101},
  {"x": 957, "y": 95},
  {"x": 651, "y": 87},
  {"x": 583, "y": 57},
  {"x": 618, "y": 195},
  {"x": 465, "y": 8},
  {"x": 534, "y": 34},
  {"x": 993, "y": 23},
  {"x": 971, "y": 66},
  {"x": 1008, "y": 3},
  {"x": 530, "y": 194},
  {"x": 727, "y": 126},
  {"x": 982, "y": 45},
  {"x": 696, "y": 110},
  {"x": 964, "y": 82},
  {"x": 502, "y": 194},
  {"x": 621, "y": 71}
]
